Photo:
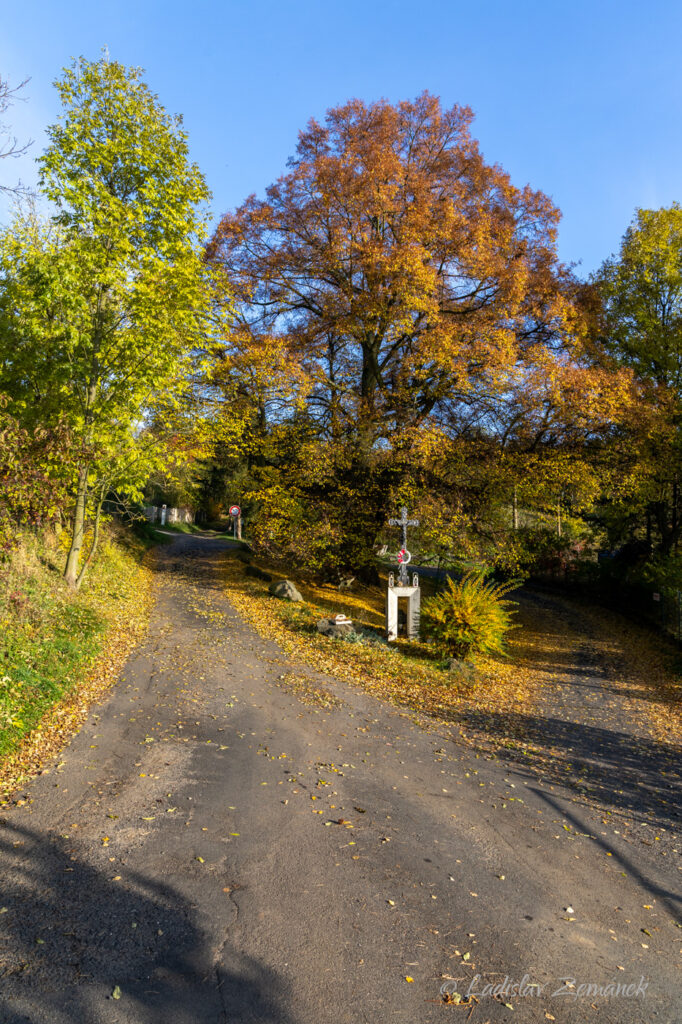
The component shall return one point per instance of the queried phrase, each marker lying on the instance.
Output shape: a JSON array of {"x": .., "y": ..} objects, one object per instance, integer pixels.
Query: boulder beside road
[{"x": 285, "y": 590}]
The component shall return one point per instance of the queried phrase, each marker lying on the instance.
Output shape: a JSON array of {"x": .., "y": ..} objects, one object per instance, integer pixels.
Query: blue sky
[{"x": 582, "y": 99}]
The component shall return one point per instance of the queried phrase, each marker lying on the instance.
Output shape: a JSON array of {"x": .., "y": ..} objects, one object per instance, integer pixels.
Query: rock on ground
[
  {"x": 285, "y": 590},
  {"x": 329, "y": 627}
]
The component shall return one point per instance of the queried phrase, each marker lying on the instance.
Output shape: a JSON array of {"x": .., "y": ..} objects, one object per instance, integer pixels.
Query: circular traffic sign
[{"x": 235, "y": 510}]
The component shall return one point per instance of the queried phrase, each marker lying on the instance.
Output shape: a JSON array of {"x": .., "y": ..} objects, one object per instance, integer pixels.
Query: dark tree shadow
[
  {"x": 670, "y": 899},
  {"x": 69, "y": 935},
  {"x": 631, "y": 773}
]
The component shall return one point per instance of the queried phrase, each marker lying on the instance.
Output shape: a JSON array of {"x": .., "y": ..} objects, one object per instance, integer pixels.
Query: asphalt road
[{"x": 221, "y": 844}]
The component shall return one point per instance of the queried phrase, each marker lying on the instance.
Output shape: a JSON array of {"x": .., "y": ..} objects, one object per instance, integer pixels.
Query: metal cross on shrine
[{"x": 404, "y": 555}]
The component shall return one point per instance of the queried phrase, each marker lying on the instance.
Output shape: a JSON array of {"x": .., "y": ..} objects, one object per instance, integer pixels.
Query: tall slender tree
[{"x": 101, "y": 312}]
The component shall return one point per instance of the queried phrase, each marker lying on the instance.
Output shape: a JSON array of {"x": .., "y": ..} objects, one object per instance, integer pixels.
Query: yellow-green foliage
[
  {"x": 49, "y": 635},
  {"x": 469, "y": 617}
]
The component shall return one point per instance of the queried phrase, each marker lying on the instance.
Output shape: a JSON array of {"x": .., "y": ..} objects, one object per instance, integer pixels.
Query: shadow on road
[
  {"x": 635, "y": 775},
  {"x": 69, "y": 934},
  {"x": 670, "y": 899}
]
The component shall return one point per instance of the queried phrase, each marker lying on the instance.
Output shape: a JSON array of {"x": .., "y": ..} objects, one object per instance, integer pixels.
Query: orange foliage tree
[{"x": 414, "y": 288}]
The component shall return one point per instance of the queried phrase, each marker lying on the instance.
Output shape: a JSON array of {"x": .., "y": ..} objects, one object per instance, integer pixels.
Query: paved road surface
[{"x": 193, "y": 856}]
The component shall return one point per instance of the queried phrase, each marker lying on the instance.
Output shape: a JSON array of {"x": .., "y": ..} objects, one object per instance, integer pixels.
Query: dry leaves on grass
[
  {"x": 404, "y": 674},
  {"x": 126, "y": 619},
  {"x": 551, "y": 647},
  {"x": 642, "y": 665}
]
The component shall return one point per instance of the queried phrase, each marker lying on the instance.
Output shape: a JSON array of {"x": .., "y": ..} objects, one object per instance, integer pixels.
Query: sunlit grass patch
[
  {"x": 547, "y": 647},
  {"x": 60, "y": 650},
  {"x": 406, "y": 673}
]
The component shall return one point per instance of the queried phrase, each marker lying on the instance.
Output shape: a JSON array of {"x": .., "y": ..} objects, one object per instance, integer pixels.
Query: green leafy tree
[
  {"x": 642, "y": 328},
  {"x": 642, "y": 289},
  {"x": 103, "y": 311}
]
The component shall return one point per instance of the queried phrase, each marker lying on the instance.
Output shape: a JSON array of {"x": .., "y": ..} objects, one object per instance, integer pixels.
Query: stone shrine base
[{"x": 393, "y": 595}]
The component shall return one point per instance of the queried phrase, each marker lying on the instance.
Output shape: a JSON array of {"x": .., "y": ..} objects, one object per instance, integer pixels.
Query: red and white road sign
[{"x": 235, "y": 510}]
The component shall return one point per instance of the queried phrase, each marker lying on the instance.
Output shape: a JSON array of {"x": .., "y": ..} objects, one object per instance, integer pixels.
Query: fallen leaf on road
[{"x": 452, "y": 997}]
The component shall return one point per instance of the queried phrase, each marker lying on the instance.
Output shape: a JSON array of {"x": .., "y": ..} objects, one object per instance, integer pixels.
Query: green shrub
[{"x": 469, "y": 617}]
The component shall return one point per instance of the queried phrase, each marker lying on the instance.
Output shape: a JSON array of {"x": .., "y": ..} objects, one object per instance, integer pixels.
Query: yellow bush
[{"x": 470, "y": 617}]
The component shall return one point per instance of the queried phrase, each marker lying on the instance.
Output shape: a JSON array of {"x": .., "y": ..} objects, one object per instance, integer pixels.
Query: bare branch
[{"x": 9, "y": 143}]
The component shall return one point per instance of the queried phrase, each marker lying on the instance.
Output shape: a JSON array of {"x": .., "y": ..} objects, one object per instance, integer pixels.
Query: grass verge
[
  {"x": 59, "y": 650},
  {"x": 404, "y": 673},
  {"x": 553, "y": 642}
]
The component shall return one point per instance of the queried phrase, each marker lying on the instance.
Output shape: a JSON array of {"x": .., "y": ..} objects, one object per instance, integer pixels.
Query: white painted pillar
[
  {"x": 413, "y": 595},
  {"x": 391, "y": 614}
]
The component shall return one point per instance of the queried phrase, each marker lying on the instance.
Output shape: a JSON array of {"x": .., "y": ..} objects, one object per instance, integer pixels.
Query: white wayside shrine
[
  {"x": 413, "y": 595},
  {"x": 403, "y": 588}
]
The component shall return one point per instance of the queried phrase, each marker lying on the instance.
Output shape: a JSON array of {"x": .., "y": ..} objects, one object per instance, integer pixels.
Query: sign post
[{"x": 236, "y": 513}]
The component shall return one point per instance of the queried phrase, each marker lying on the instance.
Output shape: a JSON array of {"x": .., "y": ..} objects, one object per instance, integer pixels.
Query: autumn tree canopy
[
  {"x": 403, "y": 284},
  {"x": 403, "y": 272}
]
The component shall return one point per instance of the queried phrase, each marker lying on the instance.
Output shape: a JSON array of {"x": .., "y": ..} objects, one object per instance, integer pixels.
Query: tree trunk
[
  {"x": 73, "y": 558},
  {"x": 93, "y": 546},
  {"x": 674, "y": 514}
]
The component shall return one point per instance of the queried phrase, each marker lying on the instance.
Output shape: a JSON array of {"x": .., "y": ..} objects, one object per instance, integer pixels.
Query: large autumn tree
[{"x": 415, "y": 287}]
